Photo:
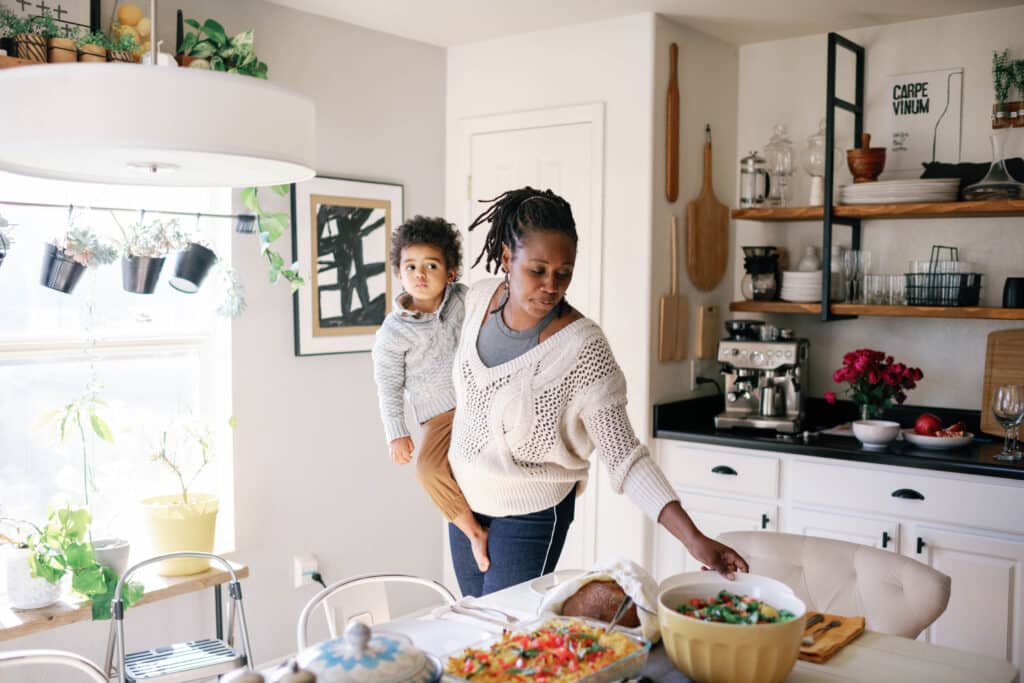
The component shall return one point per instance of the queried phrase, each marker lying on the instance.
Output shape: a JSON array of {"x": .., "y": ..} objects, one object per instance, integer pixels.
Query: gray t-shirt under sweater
[{"x": 498, "y": 343}]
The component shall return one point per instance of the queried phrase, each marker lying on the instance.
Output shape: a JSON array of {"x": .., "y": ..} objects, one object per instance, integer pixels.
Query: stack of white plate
[
  {"x": 900, "y": 191},
  {"x": 802, "y": 287}
]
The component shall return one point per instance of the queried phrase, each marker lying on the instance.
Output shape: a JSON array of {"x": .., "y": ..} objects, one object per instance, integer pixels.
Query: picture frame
[
  {"x": 341, "y": 239},
  {"x": 70, "y": 15}
]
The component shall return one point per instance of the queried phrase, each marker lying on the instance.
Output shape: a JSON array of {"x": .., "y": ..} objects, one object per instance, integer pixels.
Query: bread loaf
[{"x": 599, "y": 600}]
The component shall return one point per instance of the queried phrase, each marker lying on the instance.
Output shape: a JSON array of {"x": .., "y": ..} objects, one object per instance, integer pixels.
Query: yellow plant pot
[
  {"x": 175, "y": 526},
  {"x": 61, "y": 50}
]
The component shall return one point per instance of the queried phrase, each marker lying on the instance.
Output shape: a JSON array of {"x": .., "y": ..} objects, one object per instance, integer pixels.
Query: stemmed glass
[
  {"x": 855, "y": 267},
  {"x": 1008, "y": 409}
]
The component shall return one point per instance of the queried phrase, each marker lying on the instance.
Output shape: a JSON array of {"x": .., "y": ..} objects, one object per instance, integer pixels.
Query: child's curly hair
[{"x": 437, "y": 232}]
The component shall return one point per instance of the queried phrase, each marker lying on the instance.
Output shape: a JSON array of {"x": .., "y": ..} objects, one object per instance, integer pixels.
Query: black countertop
[{"x": 693, "y": 420}]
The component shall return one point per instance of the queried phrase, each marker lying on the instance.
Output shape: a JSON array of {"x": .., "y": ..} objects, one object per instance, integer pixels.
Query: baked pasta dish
[{"x": 556, "y": 652}]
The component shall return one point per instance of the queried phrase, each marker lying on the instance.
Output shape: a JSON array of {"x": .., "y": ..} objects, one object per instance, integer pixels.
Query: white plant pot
[
  {"x": 25, "y": 591},
  {"x": 113, "y": 553}
]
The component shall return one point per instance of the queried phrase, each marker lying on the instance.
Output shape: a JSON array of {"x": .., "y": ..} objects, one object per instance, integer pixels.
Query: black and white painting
[
  {"x": 341, "y": 237},
  {"x": 71, "y": 16}
]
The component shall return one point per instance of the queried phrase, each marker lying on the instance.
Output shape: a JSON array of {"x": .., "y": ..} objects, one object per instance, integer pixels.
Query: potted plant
[
  {"x": 1018, "y": 82},
  {"x": 194, "y": 262},
  {"x": 51, "y": 552},
  {"x": 66, "y": 258},
  {"x": 144, "y": 249},
  {"x": 211, "y": 48},
  {"x": 8, "y": 19},
  {"x": 6, "y": 238},
  {"x": 184, "y": 520},
  {"x": 272, "y": 225},
  {"x": 1002, "y": 79},
  {"x": 125, "y": 49},
  {"x": 233, "y": 303},
  {"x": 63, "y": 49},
  {"x": 31, "y": 34},
  {"x": 92, "y": 47},
  {"x": 874, "y": 381}
]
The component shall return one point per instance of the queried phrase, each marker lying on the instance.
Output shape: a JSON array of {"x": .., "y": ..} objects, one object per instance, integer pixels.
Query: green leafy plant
[
  {"x": 82, "y": 245},
  {"x": 125, "y": 43},
  {"x": 95, "y": 38},
  {"x": 1018, "y": 78},
  {"x": 80, "y": 415},
  {"x": 272, "y": 226},
  {"x": 185, "y": 447},
  {"x": 41, "y": 25},
  {"x": 211, "y": 44},
  {"x": 61, "y": 547},
  {"x": 8, "y": 21},
  {"x": 1002, "y": 75},
  {"x": 151, "y": 239}
]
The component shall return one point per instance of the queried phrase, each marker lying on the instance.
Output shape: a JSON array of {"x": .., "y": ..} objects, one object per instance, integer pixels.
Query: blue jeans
[{"x": 521, "y": 547}]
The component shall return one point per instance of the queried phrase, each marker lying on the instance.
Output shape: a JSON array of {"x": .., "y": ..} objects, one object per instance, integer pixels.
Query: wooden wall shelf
[
  {"x": 6, "y": 62},
  {"x": 1002, "y": 207},
  {"x": 962, "y": 312}
]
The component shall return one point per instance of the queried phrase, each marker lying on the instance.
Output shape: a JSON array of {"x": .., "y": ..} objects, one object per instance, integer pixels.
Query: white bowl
[
  {"x": 875, "y": 435},
  {"x": 938, "y": 443}
]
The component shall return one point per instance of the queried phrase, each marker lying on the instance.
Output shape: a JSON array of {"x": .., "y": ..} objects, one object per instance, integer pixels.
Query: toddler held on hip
[{"x": 412, "y": 357}]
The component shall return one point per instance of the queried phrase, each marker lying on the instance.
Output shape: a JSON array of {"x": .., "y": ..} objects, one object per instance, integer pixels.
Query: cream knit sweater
[{"x": 524, "y": 430}]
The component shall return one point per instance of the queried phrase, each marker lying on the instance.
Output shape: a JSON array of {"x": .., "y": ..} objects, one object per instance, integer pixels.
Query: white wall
[
  {"x": 609, "y": 62},
  {"x": 784, "y": 81},
  {"x": 311, "y": 466}
]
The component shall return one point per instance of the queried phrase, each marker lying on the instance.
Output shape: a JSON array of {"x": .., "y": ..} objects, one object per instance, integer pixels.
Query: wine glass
[{"x": 1008, "y": 409}]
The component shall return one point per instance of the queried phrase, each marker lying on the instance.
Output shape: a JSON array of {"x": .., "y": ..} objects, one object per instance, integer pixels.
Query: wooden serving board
[
  {"x": 1004, "y": 364},
  {"x": 707, "y": 231}
]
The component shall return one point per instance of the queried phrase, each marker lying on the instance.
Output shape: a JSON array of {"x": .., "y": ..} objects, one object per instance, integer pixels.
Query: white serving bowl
[
  {"x": 938, "y": 443},
  {"x": 875, "y": 435}
]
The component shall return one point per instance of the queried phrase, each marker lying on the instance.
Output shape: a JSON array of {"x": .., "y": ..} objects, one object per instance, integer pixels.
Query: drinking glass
[
  {"x": 897, "y": 290},
  {"x": 851, "y": 266},
  {"x": 1008, "y": 409},
  {"x": 876, "y": 290}
]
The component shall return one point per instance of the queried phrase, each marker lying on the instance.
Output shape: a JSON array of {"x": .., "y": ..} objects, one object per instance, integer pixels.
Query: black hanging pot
[
  {"x": 139, "y": 274},
  {"x": 191, "y": 268},
  {"x": 60, "y": 272}
]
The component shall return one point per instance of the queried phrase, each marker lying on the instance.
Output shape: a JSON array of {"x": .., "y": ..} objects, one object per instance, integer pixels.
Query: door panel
[{"x": 871, "y": 531}]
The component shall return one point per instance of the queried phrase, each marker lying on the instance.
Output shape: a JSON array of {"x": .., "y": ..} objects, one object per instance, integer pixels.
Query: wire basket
[{"x": 943, "y": 289}]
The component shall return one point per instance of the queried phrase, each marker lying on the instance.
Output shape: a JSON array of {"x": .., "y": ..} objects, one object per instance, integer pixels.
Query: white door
[
  {"x": 872, "y": 531},
  {"x": 560, "y": 149},
  {"x": 986, "y": 596},
  {"x": 713, "y": 516}
]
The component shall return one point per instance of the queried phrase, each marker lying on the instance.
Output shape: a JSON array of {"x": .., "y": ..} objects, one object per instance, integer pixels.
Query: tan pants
[{"x": 433, "y": 470}]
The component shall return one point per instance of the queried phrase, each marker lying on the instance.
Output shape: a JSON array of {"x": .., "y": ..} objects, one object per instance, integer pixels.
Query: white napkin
[{"x": 633, "y": 580}]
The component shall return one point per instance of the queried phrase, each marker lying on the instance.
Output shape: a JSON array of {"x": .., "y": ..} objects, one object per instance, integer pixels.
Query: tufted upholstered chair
[{"x": 895, "y": 594}]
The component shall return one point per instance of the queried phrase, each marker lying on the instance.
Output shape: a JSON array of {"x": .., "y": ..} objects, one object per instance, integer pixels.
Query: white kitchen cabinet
[
  {"x": 873, "y": 531},
  {"x": 987, "y": 591}
]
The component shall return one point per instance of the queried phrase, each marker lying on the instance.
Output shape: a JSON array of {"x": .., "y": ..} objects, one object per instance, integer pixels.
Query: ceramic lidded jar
[{"x": 360, "y": 656}]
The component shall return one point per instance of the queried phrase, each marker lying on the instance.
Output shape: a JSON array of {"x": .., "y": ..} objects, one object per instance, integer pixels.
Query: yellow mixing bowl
[{"x": 713, "y": 652}]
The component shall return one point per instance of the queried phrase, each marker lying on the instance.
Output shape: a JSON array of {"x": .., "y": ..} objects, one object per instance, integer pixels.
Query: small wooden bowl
[{"x": 865, "y": 162}]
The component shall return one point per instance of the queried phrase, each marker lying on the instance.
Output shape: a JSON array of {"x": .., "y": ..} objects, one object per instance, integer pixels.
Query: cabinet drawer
[
  {"x": 698, "y": 468},
  {"x": 904, "y": 493}
]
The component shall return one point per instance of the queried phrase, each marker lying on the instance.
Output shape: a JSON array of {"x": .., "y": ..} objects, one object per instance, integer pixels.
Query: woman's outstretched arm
[{"x": 708, "y": 551}]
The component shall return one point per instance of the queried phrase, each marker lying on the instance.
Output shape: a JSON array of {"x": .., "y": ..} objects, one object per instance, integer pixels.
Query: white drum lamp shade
[{"x": 153, "y": 125}]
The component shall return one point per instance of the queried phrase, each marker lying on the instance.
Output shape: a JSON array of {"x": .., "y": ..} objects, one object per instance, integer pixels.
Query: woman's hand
[
  {"x": 717, "y": 556},
  {"x": 401, "y": 450}
]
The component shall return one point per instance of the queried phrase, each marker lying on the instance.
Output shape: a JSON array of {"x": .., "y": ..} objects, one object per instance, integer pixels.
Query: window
[{"x": 151, "y": 358}]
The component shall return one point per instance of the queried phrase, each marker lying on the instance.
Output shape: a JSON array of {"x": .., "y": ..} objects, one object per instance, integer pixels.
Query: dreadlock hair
[
  {"x": 436, "y": 232},
  {"x": 516, "y": 212}
]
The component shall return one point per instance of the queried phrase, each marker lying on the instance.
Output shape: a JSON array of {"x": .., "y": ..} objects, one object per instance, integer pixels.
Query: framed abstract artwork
[{"x": 341, "y": 237}]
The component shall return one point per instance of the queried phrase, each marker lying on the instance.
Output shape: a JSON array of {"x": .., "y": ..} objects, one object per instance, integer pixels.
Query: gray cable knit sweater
[{"x": 412, "y": 355}]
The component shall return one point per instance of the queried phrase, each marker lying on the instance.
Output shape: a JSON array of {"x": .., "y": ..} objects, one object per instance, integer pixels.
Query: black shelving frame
[{"x": 856, "y": 107}]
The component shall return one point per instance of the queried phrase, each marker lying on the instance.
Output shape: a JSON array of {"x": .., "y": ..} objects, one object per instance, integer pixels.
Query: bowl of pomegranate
[{"x": 929, "y": 432}]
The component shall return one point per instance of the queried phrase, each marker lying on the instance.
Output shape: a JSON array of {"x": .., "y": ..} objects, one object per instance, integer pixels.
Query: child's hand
[{"x": 401, "y": 450}]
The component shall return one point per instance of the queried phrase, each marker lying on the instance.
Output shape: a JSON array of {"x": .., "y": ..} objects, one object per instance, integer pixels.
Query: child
[{"x": 412, "y": 355}]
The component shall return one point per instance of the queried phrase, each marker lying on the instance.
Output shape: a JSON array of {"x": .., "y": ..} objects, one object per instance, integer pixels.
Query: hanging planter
[
  {"x": 92, "y": 53},
  {"x": 60, "y": 271},
  {"x": 191, "y": 268},
  {"x": 31, "y": 46},
  {"x": 1002, "y": 79},
  {"x": 61, "y": 50},
  {"x": 139, "y": 274}
]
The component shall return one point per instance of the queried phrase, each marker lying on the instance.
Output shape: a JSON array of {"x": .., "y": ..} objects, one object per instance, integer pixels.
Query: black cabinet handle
[
  {"x": 885, "y": 539},
  {"x": 908, "y": 494},
  {"x": 764, "y": 521},
  {"x": 724, "y": 469},
  {"x": 920, "y": 545}
]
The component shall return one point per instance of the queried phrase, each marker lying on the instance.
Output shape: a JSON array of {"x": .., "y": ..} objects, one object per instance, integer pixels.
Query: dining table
[{"x": 873, "y": 657}]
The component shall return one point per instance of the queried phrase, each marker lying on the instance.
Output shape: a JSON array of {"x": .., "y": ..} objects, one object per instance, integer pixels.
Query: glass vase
[
  {"x": 870, "y": 412},
  {"x": 997, "y": 183}
]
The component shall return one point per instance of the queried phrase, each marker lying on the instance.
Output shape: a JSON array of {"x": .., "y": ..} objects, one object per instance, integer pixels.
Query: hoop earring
[{"x": 506, "y": 279}]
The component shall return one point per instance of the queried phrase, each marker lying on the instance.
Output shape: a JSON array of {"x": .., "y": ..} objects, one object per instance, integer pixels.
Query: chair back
[
  {"x": 365, "y": 600},
  {"x": 895, "y": 594},
  {"x": 25, "y": 658}
]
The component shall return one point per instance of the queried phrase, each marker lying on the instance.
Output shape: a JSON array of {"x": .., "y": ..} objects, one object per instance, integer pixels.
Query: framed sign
[
  {"x": 341, "y": 238},
  {"x": 924, "y": 112}
]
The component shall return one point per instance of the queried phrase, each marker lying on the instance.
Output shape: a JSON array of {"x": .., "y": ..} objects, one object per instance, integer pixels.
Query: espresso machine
[{"x": 764, "y": 370}]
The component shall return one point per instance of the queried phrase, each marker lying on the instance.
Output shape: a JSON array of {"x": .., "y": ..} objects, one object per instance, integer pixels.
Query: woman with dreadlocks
[{"x": 537, "y": 391}]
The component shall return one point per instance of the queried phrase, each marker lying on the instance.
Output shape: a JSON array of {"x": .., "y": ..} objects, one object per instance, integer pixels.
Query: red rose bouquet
[{"x": 875, "y": 380}]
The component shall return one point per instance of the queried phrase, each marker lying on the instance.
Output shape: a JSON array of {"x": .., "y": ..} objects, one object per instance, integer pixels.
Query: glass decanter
[{"x": 997, "y": 183}]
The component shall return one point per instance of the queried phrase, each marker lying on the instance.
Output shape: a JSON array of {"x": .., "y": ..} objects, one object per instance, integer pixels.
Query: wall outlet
[
  {"x": 302, "y": 565},
  {"x": 702, "y": 368}
]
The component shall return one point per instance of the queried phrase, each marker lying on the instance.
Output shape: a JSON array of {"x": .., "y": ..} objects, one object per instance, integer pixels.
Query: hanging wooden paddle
[
  {"x": 672, "y": 127},
  {"x": 673, "y": 329},
  {"x": 707, "y": 231}
]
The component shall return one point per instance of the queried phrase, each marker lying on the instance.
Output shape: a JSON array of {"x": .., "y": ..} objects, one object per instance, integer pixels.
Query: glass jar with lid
[
  {"x": 778, "y": 154},
  {"x": 812, "y": 158}
]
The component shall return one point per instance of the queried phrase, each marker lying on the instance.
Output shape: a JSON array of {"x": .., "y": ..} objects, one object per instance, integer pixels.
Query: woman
[{"x": 537, "y": 390}]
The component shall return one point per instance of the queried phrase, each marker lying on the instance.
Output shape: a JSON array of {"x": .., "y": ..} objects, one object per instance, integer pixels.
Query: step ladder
[{"x": 189, "y": 661}]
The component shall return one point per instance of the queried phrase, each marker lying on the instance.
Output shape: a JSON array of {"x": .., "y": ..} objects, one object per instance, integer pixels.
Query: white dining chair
[
  {"x": 26, "y": 658},
  {"x": 895, "y": 594},
  {"x": 364, "y": 599}
]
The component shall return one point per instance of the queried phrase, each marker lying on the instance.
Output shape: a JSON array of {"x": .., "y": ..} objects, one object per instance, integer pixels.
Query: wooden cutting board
[
  {"x": 707, "y": 332},
  {"x": 707, "y": 236},
  {"x": 672, "y": 328},
  {"x": 1004, "y": 364}
]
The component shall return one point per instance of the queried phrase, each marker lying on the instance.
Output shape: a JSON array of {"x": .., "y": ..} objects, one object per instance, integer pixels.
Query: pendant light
[{"x": 153, "y": 125}]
